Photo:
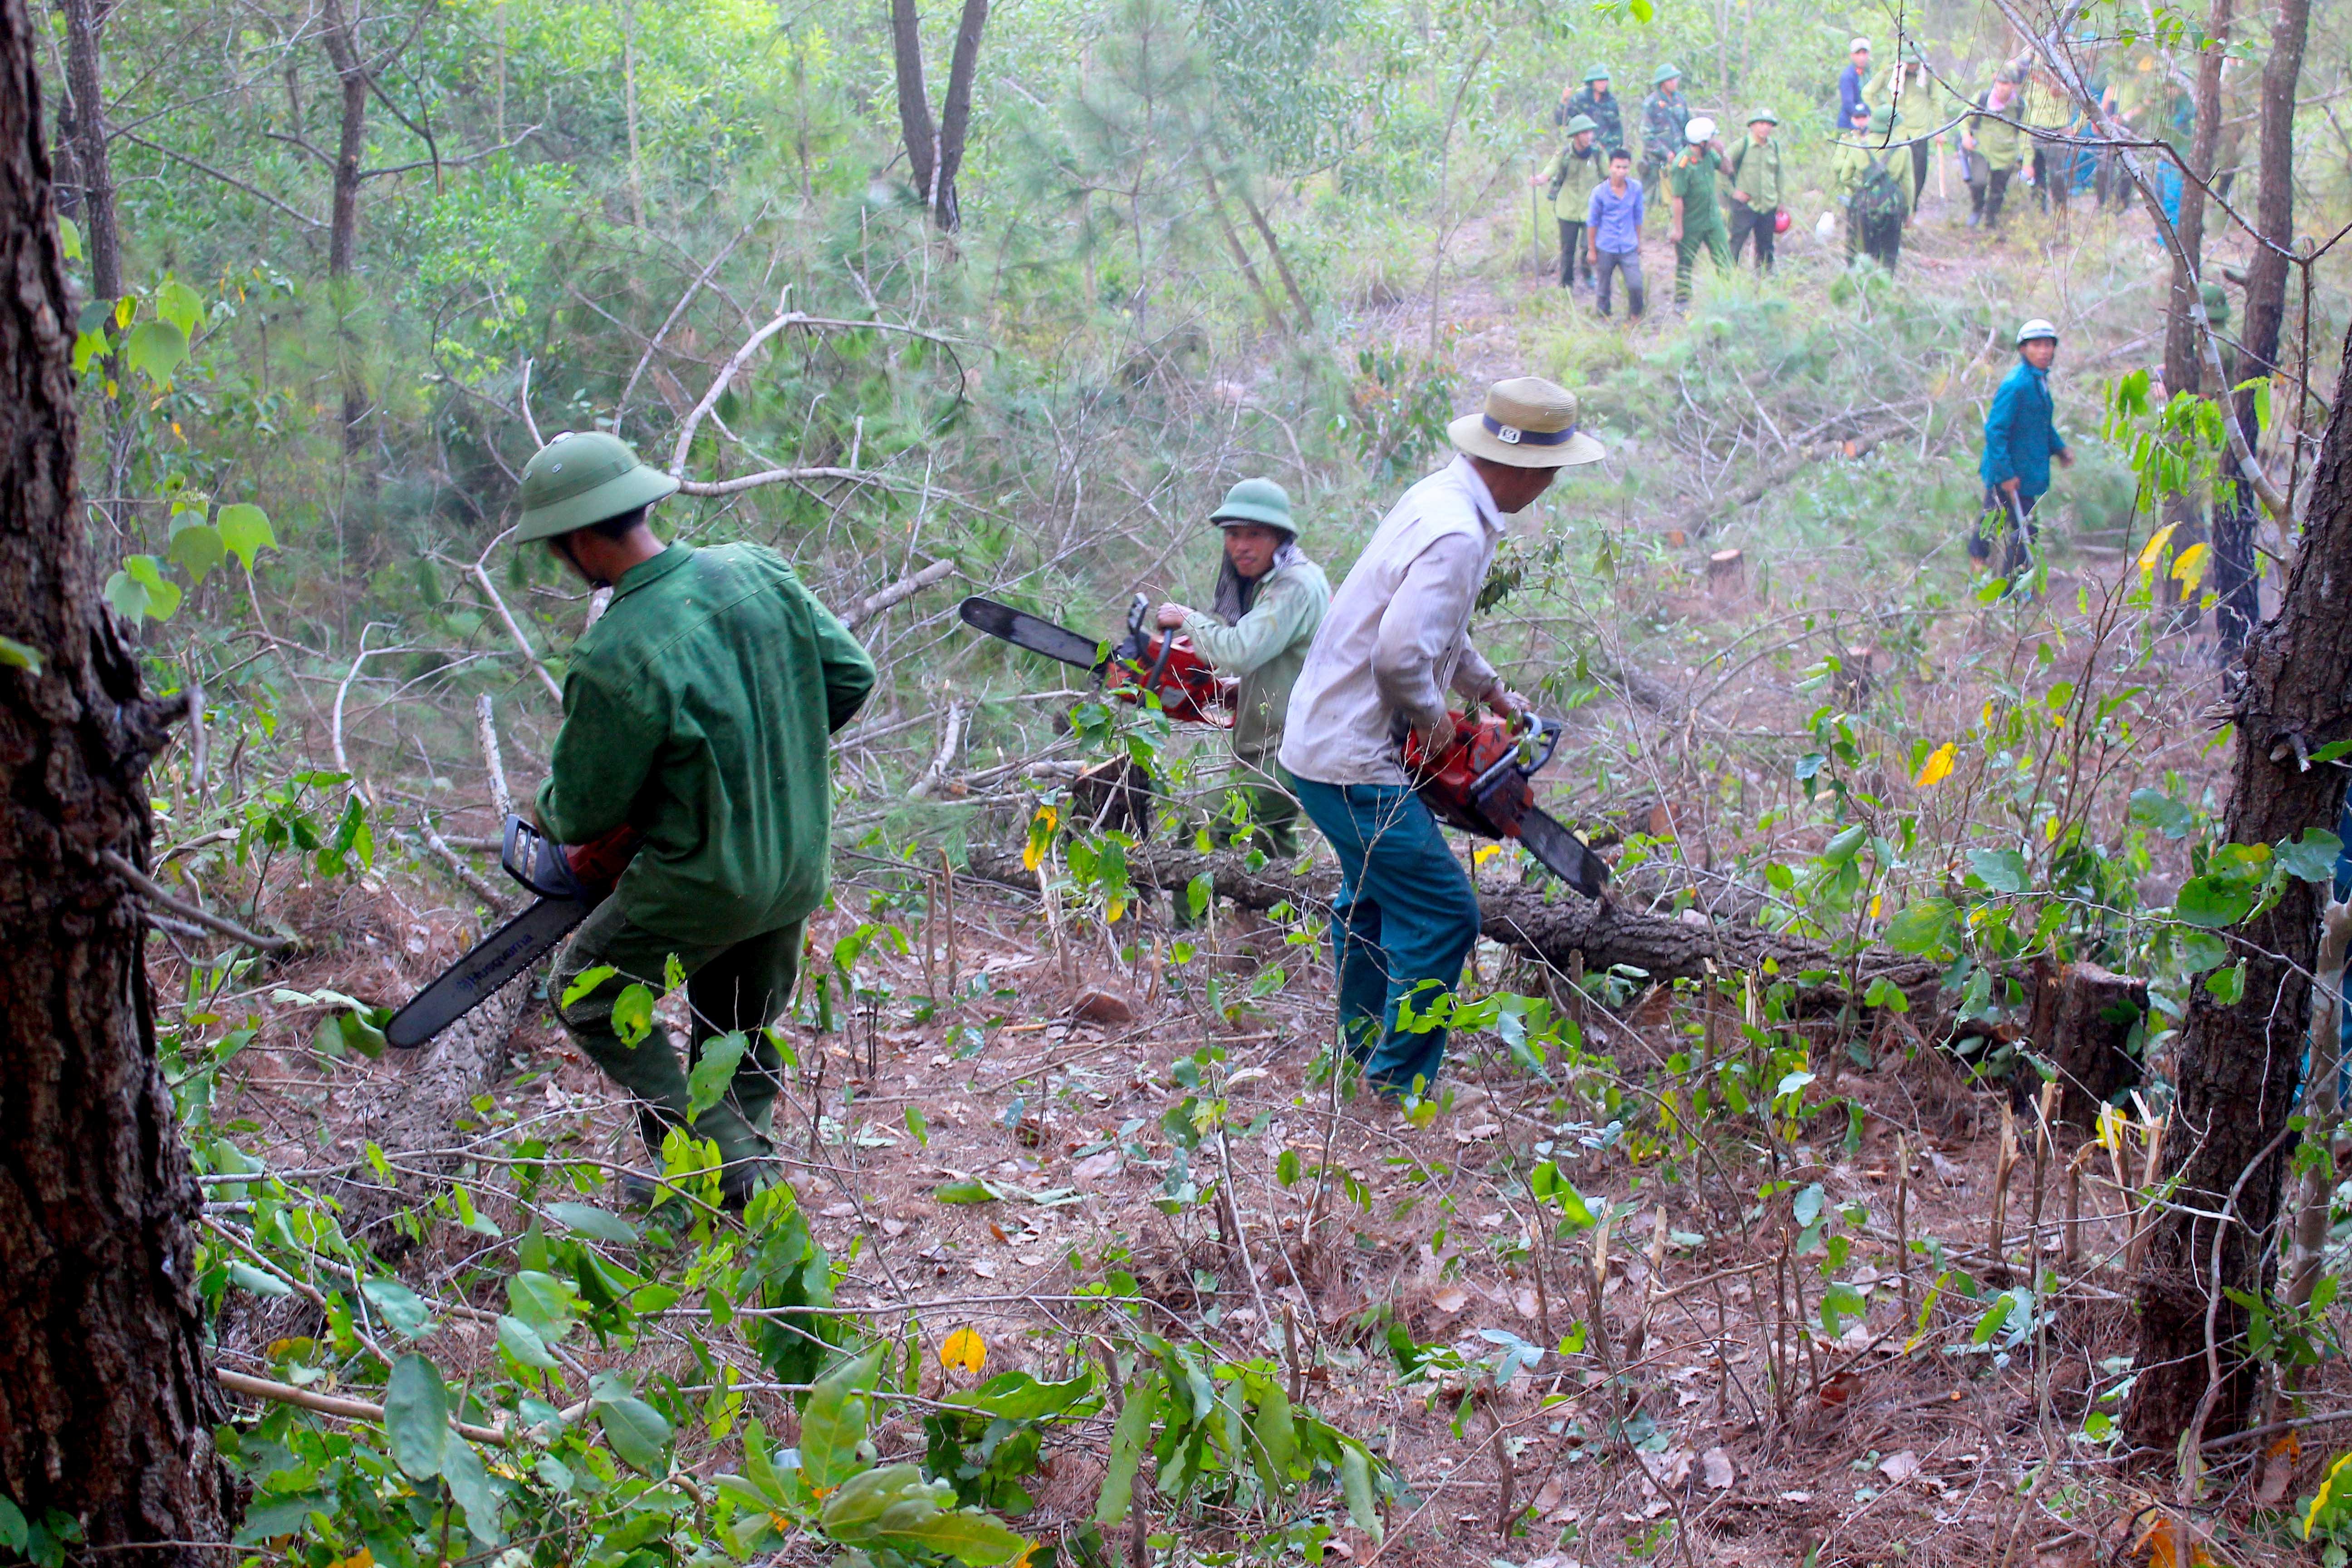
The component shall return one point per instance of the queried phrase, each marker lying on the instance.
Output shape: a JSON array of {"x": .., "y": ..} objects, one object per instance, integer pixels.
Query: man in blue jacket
[{"x": 2021, "y": 438}]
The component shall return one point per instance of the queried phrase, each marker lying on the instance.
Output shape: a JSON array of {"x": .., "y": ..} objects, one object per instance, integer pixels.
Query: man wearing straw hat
[{"x": 1397, "y": 637}]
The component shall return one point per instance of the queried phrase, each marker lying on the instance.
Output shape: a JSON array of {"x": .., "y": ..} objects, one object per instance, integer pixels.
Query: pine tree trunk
[
  {"x": 2236, "y": 581},
  {"x": 85, "y": 87},
  {"x": 2228, "y": 1145},
  {"x": 343, "y": 217},
  {"x": 105, "y": 1401}
]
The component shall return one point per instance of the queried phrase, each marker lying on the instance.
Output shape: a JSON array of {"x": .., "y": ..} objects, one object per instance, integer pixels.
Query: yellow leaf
[
  {"x": 1484, "y": 853},
  {"x": 1984, "y": 720},
  {"x": 2154, "y": 549},
  {"x": 1939, "y": 765},
  {"x": 1030, "y": 856},
  {"x": 2329, "y": 1500},
  {"x": 2190, "y": 569},
  {"x": 362, "y": 1558},
  {"x": 964, "y": 1348},
  {"x": 1115, "y": 908},
  {"x": 2049, "y": 831},
  {"x": 1875, "y": 899}
]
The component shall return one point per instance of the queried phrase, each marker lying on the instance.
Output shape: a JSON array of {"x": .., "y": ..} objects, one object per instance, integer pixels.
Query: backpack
[{"x": 1880, "y": 196}]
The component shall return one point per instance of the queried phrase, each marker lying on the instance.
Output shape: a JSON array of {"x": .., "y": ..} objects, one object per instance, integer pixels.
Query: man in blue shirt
[
  {"x": 1850, "y": 81},
  {"x": 1613, "y": 232},
  {"x": 2021, "y": 438}
]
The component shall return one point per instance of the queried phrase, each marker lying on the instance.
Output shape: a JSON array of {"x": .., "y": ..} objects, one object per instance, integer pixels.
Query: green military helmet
[
  {"x": 1664, "y": 74},
  {"x": 1582, "y": 123},
  {"x": 2217, "y": 303},
  {"x": 1764, "y": 117},
  {"x": 584, "y": 477},
  {"x": 1884, "y": 117},
  {"x": 1593, "y": 73},
  {"x": 1260, "y": 502}
]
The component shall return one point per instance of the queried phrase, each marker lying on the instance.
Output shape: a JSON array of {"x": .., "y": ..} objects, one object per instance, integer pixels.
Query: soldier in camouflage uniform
[
  {"x": 1600, "y": 105},
  {"x": 1664, "y": 114}
]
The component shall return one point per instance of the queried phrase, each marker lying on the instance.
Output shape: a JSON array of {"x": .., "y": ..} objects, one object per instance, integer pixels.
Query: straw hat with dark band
[{"x": 1528, "y": 423}]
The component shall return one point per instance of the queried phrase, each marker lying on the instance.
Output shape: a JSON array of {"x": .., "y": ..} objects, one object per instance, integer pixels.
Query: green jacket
[
  {"x": 1851, "y": 165},
  {"x": 1573, "y": 175},
  {"x": 1692, "y": 177},
  {"x": 1757, "y": 171},
  {"x": 1999, "y": 141},
  {"x": 1663, "y": 118},
  {"x": 697, "y": 710},
  {"x": 1266, "y": 649}
]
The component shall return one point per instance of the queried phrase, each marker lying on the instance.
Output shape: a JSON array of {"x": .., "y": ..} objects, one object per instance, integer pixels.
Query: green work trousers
[
  {"x": 730, "y": 987},
  {"x": 1714, "y": 241}
]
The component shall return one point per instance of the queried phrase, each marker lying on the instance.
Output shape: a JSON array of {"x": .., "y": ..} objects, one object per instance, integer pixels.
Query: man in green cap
[
  {"x": 1269, "y": 601},
  {"x": 1579, "y": 166},
  {"x": 696, "y": 710},
  {"x": 1871, "y": 173},
  {"x": 1755, "y": 189},
  {"x": 1665, "y": 113},
  {"x": 1600, "y": 105},
  {"x": 1697, "y": 222}
]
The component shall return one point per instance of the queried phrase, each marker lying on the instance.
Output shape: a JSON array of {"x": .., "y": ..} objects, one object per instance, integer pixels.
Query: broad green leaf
[
  {"x": 636, "y": 1431},
  {"x": 633, "y": 1015},
  {"x": 1017, "y": 1396},
  {"x": 403, "y": 1308},
  {"x": 1807, "y": 1205},
  {"x": 1273, "y": 1439},
  {"x": 833, "y": 1424},
  {"x": 1841, "y": 849},
  {"x": 155, "y": 350},
  {"x": 180, "y": 305},
  {"x": 707, "y": 1085},
  {"x": 587, "y": 980},
  {"x": 15, "y": 655},
  {"x": 968, "y": 1537},
  {"x": 2313, "y": 856},
  {"x": 2158, "y": 810},
  {"x": 260, "y": 1282},
  {"x": 2003, "y": 870},
  {"x": 964, "y": 1192},
  {"x": 2212, "y": 903},
  {"x": 244, "y": 530},
  {"x": 859, "y": 1504},
  {"x": 69, "y": 242},
  {"x": 1925, "y": 926},
  {"x": 1356, "y": 1481},
  {"x": 919, "y": 1125},
  {"x": 196, "y": 547},
  {"x": 2228, "y": 985},
  {"x": 1839, "y": 1302},
  {"x": 470, "y": 1484},
  {"x": 590, "y": 1220},
  {"x": 1128, "y": 1439},
  {"x": 1286, "y": 1168},
  {"x": 417, "y": 1417},
  {"x": 520, "y": 1341},
  {"x": 141, "y": 592},
  {"x": 542, "y": 1300}
]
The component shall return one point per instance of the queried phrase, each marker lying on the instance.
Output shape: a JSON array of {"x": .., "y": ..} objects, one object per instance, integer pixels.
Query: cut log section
[
  {"x": 1727, "y": 575},
  {"x": 1546, "y": 923}
]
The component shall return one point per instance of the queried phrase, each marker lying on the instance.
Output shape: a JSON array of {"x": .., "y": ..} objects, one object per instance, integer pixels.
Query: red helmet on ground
[{"x": 1780, "y": 221}]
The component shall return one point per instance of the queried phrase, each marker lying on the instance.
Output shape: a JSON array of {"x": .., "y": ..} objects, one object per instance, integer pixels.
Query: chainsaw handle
[
  {"x": 1547, "y": 730},
  {"x": 554, "y": 870}
]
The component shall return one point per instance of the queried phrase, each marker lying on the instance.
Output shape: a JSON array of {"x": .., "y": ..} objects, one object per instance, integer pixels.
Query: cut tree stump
[
  {"x": 2083, "y": 1018},
  {"x": 1115, "y": 794},
  {"x": 1856, "y": 675},
  {"x": 1727, "y": 575}
]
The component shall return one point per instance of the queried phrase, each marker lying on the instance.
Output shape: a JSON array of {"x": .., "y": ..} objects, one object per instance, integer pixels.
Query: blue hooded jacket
[{"x": 2020, "y": 435}]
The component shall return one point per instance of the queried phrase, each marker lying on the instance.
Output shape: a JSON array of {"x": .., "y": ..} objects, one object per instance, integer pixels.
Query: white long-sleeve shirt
[{"x": 1397, "y": 634}]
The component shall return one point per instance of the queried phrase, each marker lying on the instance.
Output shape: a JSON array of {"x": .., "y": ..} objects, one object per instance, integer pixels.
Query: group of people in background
[{"x": 2025, "y": 130}]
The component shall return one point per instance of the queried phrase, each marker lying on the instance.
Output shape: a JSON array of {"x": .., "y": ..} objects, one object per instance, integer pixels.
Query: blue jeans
[{"x": 1406, "y": 916}]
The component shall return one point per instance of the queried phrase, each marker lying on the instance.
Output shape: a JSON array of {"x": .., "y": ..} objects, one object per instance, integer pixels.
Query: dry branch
[
  {"x": 1562, "y": 933},
  {"x": 514, "y": 630},
  {"x": 154, "y": 892},
  {"x": 897, "y": 592}
]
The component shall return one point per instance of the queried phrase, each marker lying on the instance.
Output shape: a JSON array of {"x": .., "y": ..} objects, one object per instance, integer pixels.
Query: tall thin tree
[
  {"x": 935, "y": 150},
  {"x": 105, "y": 1404}
]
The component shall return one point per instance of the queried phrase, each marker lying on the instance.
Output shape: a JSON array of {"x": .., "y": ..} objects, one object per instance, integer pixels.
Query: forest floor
[{"x": 1718, "y": 1419}]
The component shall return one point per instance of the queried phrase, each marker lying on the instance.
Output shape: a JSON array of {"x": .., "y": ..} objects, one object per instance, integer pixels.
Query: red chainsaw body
[
  {"x": 1472, "y": 784},
  {"x": 1191, "y": 692}
]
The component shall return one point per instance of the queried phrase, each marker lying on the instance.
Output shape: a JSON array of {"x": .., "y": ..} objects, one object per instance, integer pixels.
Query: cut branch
[
  {"x": 897, "y": 592},
  {"x": 154, "y": 892},
  {"x": 514, "y": 630}
]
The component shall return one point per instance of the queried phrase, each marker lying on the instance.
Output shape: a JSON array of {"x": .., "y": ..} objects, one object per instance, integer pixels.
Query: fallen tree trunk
[{"x": 1551, "y": 925}]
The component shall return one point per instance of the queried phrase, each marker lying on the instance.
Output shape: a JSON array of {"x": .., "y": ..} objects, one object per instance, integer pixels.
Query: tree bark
[
  {"x": 343, "y": 49},
  {"x": 2183, "y": 353},
  {"x": 2236, "y": 582},
  {"x": 86, "y": 92},
  {"x": 2228, "y": 1143},
  {"x": 106, "y": 1404},
  {"x": 935, "y": 148}
]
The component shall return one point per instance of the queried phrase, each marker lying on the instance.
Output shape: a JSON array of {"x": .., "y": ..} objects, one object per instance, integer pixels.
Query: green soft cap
[
  {"x": 1582, "y": 123},
  {"x": 1595, "y": 73},
  {"x": 1664, "y": 74},
  {"x": 584, "y": 477},
  {"x": 1259, "y": 502}
]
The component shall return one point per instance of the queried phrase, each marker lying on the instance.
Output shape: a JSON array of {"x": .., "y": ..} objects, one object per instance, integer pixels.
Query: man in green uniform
[
  {"x": 1664, "y": 114},
  {"x": 1600, "y": 105},
  {"x": 1581, "y": 166},
  {"x": 1270, "y": 599},
  {"x": 1871, "y": 173},
  {"x": 1698, "y": 221},
  {"x": 1995, "y": 147},
  {"x": 1755, "y": 189},
  {"x": 696, "y": 712}
]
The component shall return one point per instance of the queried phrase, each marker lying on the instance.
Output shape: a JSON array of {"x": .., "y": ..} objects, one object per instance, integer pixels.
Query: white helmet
[
  {"x": 2036, "y": 328},
  {"x": 1699, "y": 131},
  {"x": 1859, "y": 46}
]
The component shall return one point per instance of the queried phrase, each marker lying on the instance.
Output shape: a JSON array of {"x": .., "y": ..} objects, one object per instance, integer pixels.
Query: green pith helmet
[
  {"x": 1582, "y": 123},
  {"x": 583, "y": 478},
  {"x": 1664, "y": 74},
  {"x": 1884, "y": 118},
  {"x": 2217, "y": 303},
  {"x": 1595, "y": 73},
  {"x": 1260, "y": 502},
  {"x": 1763, "y": 117}
]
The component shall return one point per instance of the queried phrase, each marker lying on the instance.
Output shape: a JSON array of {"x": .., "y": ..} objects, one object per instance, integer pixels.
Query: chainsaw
[
  {"x": 1146, "y": 660},
  {"x": 1480, "y": 785},
  {"x": 569, "y": 879}
]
